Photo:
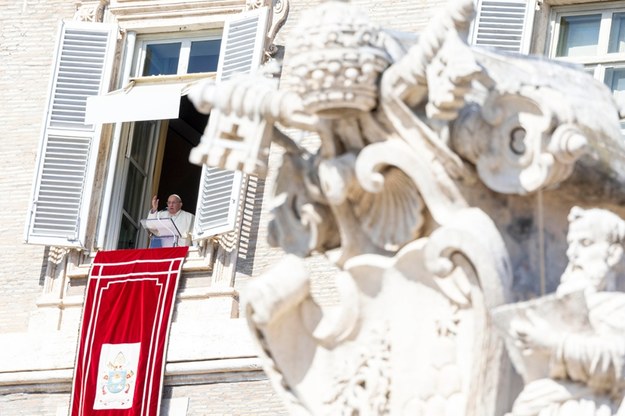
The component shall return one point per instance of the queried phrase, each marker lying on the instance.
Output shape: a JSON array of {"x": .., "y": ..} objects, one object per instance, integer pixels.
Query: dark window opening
[{"x": 178, "y": 175}]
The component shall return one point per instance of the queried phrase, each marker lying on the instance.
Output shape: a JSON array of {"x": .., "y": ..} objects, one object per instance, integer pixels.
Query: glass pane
[
  {"x": 204, "y": 56},
  {"x": 134, "y": 192},
  {"x": 579, "y": 35},
  {"x": 127, "y": 234},
  {"x": 617, "y": 33},
  {"x": 615, "y": 80},
  {"x": 162, "y": 59},
  {"x": 141, "y": 143}
]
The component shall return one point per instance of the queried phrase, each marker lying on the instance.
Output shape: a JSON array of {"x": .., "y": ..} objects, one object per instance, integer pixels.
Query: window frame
[
  {"x": 185, "y": 38},
  {"x": 218, "y": 196},
  {"x": 602, "y": 60},
  {"x": 109, "y": 223},
  {"x": 119, "y": 178},
  {"x": 97, "y": 193}
]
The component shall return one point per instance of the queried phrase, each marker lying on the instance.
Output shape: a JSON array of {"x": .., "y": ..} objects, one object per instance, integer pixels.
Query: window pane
[
  {"x": 127, "y": 234},
  {"x": 617, "y": 33},
  {"x": 615, "y": 80},
  {"x": 204, "y": 56},
  {"x": 141, "y": 143},
  {"x": 579, "y": 35},
  {"x": 162, "y": 59},
  {"x": 133, "y": 194},
  {"x": 137, "y": 164}
]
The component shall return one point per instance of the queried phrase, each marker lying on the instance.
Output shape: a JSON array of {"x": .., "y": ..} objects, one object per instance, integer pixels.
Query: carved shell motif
[{"x": 391, "y": 216}]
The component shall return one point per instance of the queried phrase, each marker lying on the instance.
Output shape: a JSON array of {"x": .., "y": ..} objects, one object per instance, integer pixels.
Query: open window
[
  {"x": 155, "y": 128},
  {"x": 153, "y": 161}
]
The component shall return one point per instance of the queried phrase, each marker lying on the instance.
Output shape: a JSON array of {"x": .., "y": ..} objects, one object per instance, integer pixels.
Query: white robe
[{"x": 184, "y": 222}]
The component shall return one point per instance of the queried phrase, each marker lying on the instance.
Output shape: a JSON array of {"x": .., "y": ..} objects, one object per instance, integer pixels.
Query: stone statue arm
[
  {"x": 247, "y": 113},
  {"x": 252, "y": 96},
  {"x": 266, "y": 301},
  {"x": 595, "y": 360}
]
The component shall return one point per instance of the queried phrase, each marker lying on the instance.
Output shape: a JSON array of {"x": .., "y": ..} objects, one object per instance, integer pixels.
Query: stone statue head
[{"x": 595, "y": 252}]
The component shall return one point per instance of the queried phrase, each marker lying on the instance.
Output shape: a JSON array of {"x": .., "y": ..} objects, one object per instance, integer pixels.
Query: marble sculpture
[{"x": 410, "y": 130}]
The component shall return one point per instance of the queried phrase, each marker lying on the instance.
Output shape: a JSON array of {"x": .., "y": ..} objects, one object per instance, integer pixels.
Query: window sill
[{"x": 197, "y": 260}]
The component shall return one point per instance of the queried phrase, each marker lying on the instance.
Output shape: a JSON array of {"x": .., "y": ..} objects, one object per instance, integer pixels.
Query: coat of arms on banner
[{"x": 117, "y": 375}]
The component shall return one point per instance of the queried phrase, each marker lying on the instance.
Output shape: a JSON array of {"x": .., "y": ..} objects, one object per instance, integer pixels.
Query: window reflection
[
  {"x": 204, "y": 56},
  {"x": 137, "y": 164},
  {"x": 162, "y": 59},
  {"x": 579, "y": 35},
  {"x": 615, "y": 80},
  {"x": 617, "y": 33}
]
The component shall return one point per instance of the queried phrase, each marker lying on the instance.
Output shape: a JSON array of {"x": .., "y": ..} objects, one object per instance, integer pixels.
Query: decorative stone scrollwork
[
  {"x": 278, "y": 12},
  {"x": 529, "y": 131},
  {"x": 90, "y": 11},
  {"x": 364, "y": 385}
]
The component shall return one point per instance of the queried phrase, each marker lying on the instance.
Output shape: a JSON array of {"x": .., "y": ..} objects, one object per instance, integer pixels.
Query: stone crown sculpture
[{"x": 337, "y": 59}]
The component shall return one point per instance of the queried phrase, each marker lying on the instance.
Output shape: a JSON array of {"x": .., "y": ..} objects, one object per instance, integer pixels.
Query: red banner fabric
[{"x": 121, "y": 352}]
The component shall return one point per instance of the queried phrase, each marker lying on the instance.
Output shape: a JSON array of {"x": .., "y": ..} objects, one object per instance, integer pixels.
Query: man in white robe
[{"x": 183, "y": 219}]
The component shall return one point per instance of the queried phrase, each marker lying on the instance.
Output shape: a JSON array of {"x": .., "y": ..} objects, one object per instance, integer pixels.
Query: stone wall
[
  {"x": 241, "y": 398},
  {"x": 28, "y": 32},
  {"x": 236, "y": 398}
]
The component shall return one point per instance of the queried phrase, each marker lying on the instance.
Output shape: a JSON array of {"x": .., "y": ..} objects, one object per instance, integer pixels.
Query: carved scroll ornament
[
  {"x": 278, "y": 12},
  {"x": 533, "y": 124}
]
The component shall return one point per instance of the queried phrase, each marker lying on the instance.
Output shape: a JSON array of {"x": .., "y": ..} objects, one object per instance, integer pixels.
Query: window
[
  {"x": 153, "y": 128},
  {"x": 183, "y": 57},
  {"x": 579, "y": 35},
  {"x": 153, "y": 158},
  {"x": 595, "y": 38}
]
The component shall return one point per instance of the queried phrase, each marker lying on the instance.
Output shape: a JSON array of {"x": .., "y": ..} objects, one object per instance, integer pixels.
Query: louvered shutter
[
  {"x": 64, "y": 175},
  {"x": 242, "y": 48},
  {"x": 504, "y": 24}
]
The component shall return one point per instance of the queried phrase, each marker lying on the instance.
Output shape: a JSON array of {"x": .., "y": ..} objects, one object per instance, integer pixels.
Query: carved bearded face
[{"x": 591, "y": 253}]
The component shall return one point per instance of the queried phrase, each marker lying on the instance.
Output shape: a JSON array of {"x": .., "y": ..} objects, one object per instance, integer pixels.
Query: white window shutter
[
  {"x": 504, "y": 24},
  {"x": 242, "y": 48},
  {"x": 217, "y": 207},
  {"x": 243, "y": 43},
  {"x": 65, "y": 168}
]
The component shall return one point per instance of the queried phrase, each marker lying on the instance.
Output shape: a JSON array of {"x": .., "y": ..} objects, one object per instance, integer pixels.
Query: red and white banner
[{"x": 121, "y": 352}]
